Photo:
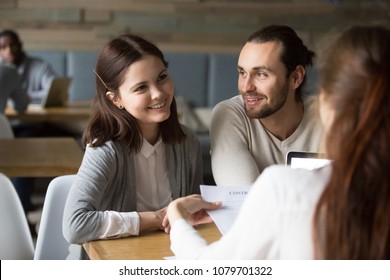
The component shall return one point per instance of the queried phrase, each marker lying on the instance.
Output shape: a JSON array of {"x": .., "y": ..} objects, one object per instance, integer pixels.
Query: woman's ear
[
  {"x": 114, "y": 99},
  {"x": 298, "y": 75}
]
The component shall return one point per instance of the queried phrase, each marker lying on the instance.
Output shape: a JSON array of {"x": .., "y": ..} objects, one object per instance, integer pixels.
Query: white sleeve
[
  {"x": 181, "y": 234},
  {"x": 119, "y": 224},
  {"x": 252, "y": 236}
]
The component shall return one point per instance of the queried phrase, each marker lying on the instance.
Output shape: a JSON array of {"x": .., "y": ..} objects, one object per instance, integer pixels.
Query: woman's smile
[{"x": 158, "y": 105}]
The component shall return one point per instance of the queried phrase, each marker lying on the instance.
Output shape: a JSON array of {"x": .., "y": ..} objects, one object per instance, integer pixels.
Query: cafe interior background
[
  {"x": 179, "y": 25},
  {"x": 188, "y": 26}
]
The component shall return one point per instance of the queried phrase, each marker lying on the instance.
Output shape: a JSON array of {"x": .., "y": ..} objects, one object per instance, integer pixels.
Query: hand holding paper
[
  {"x": 192, "y": 208},
  {"x": 231, "y": 198}
]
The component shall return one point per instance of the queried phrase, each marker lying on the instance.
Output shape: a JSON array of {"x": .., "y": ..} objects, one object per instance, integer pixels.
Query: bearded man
[{"x": 270, "y": 116}]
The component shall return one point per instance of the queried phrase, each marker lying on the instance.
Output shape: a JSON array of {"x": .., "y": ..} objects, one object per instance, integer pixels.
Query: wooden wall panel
[
  {"x": 7, "y": 4},
  {"x": 41, "y": 15},
  {"x": 92, "y": 15},
  {"x": 179, "y": 24},
  {"x": 116, "y": 5}
]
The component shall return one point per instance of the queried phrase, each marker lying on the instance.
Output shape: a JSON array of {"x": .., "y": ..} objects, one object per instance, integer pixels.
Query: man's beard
[{"x": 267, "y": 110}]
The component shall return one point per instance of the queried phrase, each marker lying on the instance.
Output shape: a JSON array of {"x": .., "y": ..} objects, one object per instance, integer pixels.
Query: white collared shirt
[{"x": 153, "y": 192}]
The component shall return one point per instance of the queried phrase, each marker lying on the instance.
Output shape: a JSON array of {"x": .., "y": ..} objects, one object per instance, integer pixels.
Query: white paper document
[{"x": 231, "y": 198}]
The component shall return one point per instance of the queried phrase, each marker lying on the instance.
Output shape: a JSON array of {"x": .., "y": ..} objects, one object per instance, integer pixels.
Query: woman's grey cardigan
[{"x": 106, "y": 181}]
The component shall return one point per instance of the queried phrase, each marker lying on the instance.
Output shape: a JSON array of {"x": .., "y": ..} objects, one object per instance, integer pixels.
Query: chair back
[
  {"x": 15, "y": 237},
  {"x": 5, "y": 128},
  {"x": 51, "y": 244}
]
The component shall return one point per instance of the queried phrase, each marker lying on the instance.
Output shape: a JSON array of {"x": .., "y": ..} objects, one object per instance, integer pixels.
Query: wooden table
[
  {"x": 149, "y": 246},
  {"x": 72, "y": 118},
  {"x": 39, "y": 157},
  {"x": 53, "y": 114}
]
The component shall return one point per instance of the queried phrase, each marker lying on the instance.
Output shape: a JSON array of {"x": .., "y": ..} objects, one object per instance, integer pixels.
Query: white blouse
[{"x": 275, "y": 221}]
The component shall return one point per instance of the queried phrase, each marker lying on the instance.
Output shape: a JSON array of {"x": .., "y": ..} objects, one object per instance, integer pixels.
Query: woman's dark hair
[
  {"x": 352, "y": 219},
  {"x": 108, "y": 122},
  {"x": 294, "y": 52}
]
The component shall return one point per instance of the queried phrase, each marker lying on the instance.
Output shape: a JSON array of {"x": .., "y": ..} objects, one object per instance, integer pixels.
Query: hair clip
[{"x": 97, "y": 75}]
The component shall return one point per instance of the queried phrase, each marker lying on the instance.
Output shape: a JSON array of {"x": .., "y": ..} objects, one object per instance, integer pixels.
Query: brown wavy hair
[
  {"x": 352, "y": 218},
  {"x": 109, "y": 122}
]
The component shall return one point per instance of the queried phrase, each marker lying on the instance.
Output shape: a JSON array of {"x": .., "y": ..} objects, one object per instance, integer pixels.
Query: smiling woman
[
  {"x": 147, "y": 94},
  {"x": 138, "y": 157}
]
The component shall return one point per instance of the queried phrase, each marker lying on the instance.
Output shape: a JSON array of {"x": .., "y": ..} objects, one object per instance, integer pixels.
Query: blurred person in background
[
  {"x": 35, "y": 79},
  {"x": 36, "y": 74}
]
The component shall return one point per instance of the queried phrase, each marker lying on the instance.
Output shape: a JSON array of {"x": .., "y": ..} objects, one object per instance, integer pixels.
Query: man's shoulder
[
  {"x": 230, "y": 111},
  {"x": 235, "y": 103},
  {"x": 32, "y": 60},
  {"x": 38, "y": 66}
]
